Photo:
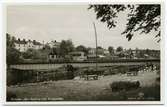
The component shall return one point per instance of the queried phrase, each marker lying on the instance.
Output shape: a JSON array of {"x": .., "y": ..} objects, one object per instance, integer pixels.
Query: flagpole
[{"x": 96, "y": 42}]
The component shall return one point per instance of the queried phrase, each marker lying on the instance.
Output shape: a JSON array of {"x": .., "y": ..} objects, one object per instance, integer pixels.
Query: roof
[
  {"x": 37, "y": 43},
  {"x": 76, "y": 52},
  {"x": 20, "y": 42},
  {"x": 25, "y": 42},
  {"x": 52, "y": 53},
  {"x": 101, "y": 56},
  {"x": 54, "y": 43}
]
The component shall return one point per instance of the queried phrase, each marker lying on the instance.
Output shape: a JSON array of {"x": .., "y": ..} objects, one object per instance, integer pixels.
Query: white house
[
  {"x": 54, "y": 44},
  {"x": 52, "y": 57},
  {"x": 23, "y": 45},
  {"x": 92, "y": 51},
  {"x": 106, "y": 52},
  {"x": 78, "y": 56},
  {"x": 37, "y": 45}
]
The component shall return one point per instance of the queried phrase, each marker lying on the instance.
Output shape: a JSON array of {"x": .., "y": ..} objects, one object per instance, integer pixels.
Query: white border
[{"x": 74, "y": 2}]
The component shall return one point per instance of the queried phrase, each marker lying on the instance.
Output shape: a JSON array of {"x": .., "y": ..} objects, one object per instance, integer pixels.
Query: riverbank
[{"x": 81, "y": 90}]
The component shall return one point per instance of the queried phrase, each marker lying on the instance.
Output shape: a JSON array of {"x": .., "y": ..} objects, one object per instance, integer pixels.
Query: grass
[
  {"x": 94, "y": 90},
  {"x": 151, "y": 93}
]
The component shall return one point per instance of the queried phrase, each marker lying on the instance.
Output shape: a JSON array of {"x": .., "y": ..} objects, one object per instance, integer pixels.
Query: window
[{"x": 52, "y": 56}]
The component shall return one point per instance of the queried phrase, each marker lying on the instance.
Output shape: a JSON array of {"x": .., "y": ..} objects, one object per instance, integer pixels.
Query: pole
[{"x": 96, "y": 42}]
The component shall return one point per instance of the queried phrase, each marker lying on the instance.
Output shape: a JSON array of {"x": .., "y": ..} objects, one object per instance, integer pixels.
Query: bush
[
  {"x": 11, "y": 77},
  {"x": 10, "y": 96},
  {"x": 15, "y": 76},
  {"x": 150, "y": 93},
  {"x": 70, "y": 72},
  {"x": 124, "y": 85},
  {"x": 12, "y": 56}
]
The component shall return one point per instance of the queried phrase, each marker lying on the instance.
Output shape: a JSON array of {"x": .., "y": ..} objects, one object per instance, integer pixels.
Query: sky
[{"x": 75, "y": 22}]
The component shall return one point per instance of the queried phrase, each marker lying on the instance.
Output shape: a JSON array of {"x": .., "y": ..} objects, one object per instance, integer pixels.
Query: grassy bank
[{"x": 93, "y": 90}]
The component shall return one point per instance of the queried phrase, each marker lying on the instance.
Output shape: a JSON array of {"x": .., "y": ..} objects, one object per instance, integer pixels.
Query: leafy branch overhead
[{"x": 143, "y": 18}]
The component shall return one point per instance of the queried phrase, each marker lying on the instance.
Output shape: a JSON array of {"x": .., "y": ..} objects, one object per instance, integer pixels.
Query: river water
[{"x": 55, "y": 66}]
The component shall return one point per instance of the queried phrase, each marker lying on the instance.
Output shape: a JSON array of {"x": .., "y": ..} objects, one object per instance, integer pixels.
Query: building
[
  {"x": 154, "y": 53},
  {"x": 91, "y": 57},
  {"x": 54, "y": 44},
  {"x": 142, "y": 53},
  {"x": 37, "y": 45},
  {"x": 52, "y": 57},
  {"x": 106, "y": 52},
  {"x": 23, "y": 45},
  {"x": 100, "y": 51},
  {"x": 78, "y": 56},
  {"x": 92, "y": 51}
]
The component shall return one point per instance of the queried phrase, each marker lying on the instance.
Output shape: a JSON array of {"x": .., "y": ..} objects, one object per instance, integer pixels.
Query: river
[{"x": 55, "y": 66}]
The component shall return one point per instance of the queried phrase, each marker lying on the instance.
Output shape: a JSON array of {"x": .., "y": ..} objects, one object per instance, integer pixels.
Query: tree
[
  {"x": 147, "y": 51},
  {"x": 143, "y": 18},
  {"x": 130, "y": 53},
  {"x": 119, "y": 49},
  {"x": 99, "y": 47},
  {"x": 55, "y": 51},
  {"x": 12, "y": 54},
  {"x": 100, "y": 50},
  {"x": 140, "y": 54},
  {"x": 111, "y": 50},
  {"x": 31, "y": 54},
  {"x": 82, "y": 48},
  {"x": 10, "y": 40},
  {"x": 66, "y": 46},
  {"x": 46, "y": 47},
  {"x": 43, "y": 54}
]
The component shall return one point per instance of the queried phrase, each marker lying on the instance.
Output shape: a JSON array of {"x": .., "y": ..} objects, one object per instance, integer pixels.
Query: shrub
[
  {"x": 10, "y": 96},
  {"x": 124, "y": 85}
]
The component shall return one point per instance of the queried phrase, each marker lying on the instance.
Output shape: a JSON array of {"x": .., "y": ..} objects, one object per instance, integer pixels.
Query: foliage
[
  {"x": 46, "y": 47},
  {"x": 119, "y": 49},
  {"x": 55, "y": 51},
  {"x": 10, "y": 40},
  {"x": 150, "y": 93},
  {"x": 13, "y": 55},
  {"x": 143, "y": 18},
  {"x": 66, "y": 46},
  {"x": 99, "y": 47},
  {"x": 36, "y": 54},
  {"x": 118, "y": 86},
  {"x": 70, "y": 72},
  {"x": 30, "y": 54},
  {"x": 111, "y": 50},
  {"x": 82, "y": 48},
  {"x": 11, "y": 95}
]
